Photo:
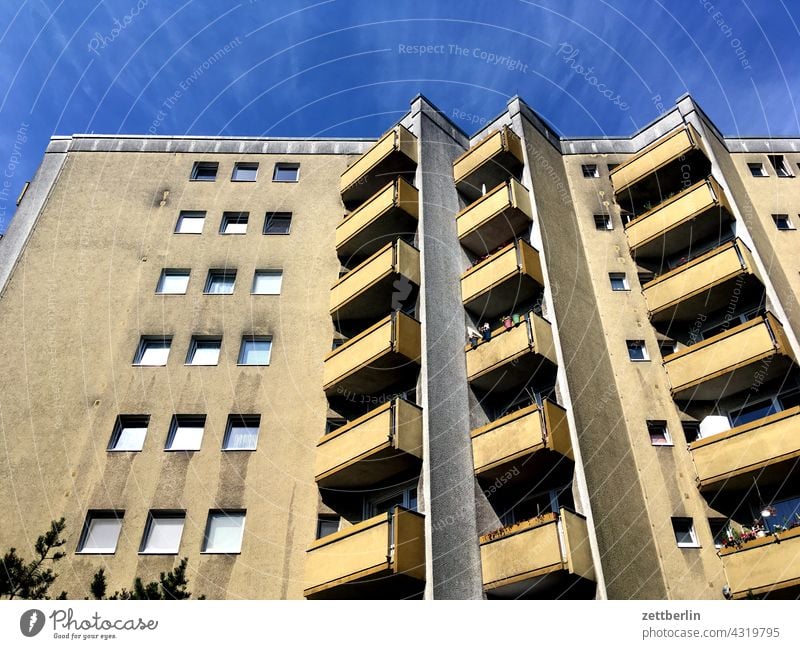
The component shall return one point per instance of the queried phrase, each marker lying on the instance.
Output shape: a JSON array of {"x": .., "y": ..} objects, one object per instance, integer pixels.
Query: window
[
  {"x": 780, "y": 166},
  {"x": 327, "y": 524},
  {"x": 752, "y": 412},
  {"x": 277, "y": 222},
  {"x": 612, "y": 166},
  {"x": 719, "y": 530},
  {"x": 659, "y": 435},
  {"x": 404, "y": 497},
  {"x": 129, "y": 433},
  {"x": 757, "y": 170},
  {"x": 334, "y": 423},
  {"x": 602, "y": 222},
  {"x": 636, "y": 350},
  {"x": 619, "y": 282},
  {"x": 666, "y": 347},
  {"x": 590, "y": 171},
  {"x": 190, "y": 223},
  {"x": 267, "y": 282},
  {"x": 153, "y": 351},
  {"x": 220, "y": 282},
  {"x": 204, "y": 350},
  {"x": 224, "y": 532},
  {"x": 173, "y": 281},
  {"x": 645, "y": 276},
  {"x": 234, "y": 223},
  {"x": 255, "y": 350},
  {"x": 286, "y": 172},
  {"x": 241, "y": 433},
  {"x": 205, "y": 171},
  {"x": 186, "y": 433},
  {"x": 245, "y": 172},
  {"x": 691, "y": 431},
  {"x": 100, "y": 532},
  {"x": 685, "y": 535},
  {"x": 782, "y": 222},
  {"x": 162, "y": 533}
]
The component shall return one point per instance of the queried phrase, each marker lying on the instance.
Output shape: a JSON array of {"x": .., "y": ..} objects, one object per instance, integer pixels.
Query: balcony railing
[
  {"x": 674, "y": 225},
  {"x": 515, "y": 560},
  {"x": 369, "y": 290},
  {"x": 509, "y": 278},
  {"x": 519, "y": 439},
  {"x": 394, "y": 154},
  {"x": 381, "y": 558},
  {"x": 764, "y": 567},
  {"x": 703, "y": 285},
  {"x": 665, "y": 150},
  {"x": 390, "y": 213},
  {"x": 501, "y": 214},
  {"x": 385, "y": 354},
  {"x": 741, "y": 358},
  {"x": 767, "y": 448},
  {"x": 513, "y": 356},
  {"x": 375, "y": 447},
  {"x": 490, "y": 162}
]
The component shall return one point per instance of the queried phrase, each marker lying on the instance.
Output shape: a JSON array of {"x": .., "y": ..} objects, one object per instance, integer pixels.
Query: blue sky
[{"x": 350, "y": 67}]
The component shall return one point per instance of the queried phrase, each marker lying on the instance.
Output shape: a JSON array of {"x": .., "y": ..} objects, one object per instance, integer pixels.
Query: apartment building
[{"x": 432, "y": 365}]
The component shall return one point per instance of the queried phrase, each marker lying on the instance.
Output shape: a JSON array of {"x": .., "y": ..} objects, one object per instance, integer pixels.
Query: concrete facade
[{"x": 618, "y": 512}]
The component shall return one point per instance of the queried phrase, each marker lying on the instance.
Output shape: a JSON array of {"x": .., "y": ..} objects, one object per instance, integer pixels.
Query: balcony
[
  {"x": 692, "y": 215},
  {"x": 500, "y": 215},
  {"x": 487, "y": 164},
  {"x": 393, "y": 155},
  {"x": 764, "y": 567},
  {"x": 375, "y": 447},
  {"x": 543, "y": 557},
  {"x": 508, "y": 279},
  {"x": 741, "y": 358},
  {"x": 379, "y": 285},
  {"x": 377, "y": 358},
  {"x": 512, "y": 357},
  {"x": 380, "y": 558},
  {"x": 703, "y": 285},
  {"x": 672, "y": 163},
  {"x": 533, "y": 439},
  {"x": 766, "y": 448},
  {"x": 390, "y": 213}
]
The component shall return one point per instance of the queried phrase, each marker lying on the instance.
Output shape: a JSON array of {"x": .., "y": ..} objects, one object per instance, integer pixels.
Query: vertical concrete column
[{"x": 454, "y": 570}]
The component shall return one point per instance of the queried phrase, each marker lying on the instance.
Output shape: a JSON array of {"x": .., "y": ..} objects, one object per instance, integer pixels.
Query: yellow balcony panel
[
  {"x": 380, "y": 558},
  {"x": 381, "y": 444},
  {"x": 692, "y": 215},
  {"x": 395, "y": 153},
  {"x": 510, "y": 277},
  {"x": 500, "y": 215},
  {"x": 384, "y": 354},
  {"x": 703, "y": 285},
  {"x": 531, "y": 440},
  {"x": 541, "y": 557},
  {"x": 512, "y": 357},
  {"x": 667, "y": 149},
  {"x": 372, "y": 288},
  {"x": 766, "y": 448},
  {"x": 392, "y": 212},
  {"x": 741, "y": 358},
  {"x": 487, "y": 164},
  {"x": 765, "y": 567}
]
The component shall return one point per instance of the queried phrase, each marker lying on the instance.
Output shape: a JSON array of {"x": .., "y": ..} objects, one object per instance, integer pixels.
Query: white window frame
[
  {"x": 618, "y": 276},
  {"x": 243, "y": 421},
  {"x": 283, "y": 215},
  {"x": 667, "y": 437},
  {"x": 293, "y": 165},
  {"x": 643, "y": 346},
  {"x": 267, "y": 272},
  {"x": 789, "y": 224},
  {"x": 222, "y": 274},
  {"x": 153, "y": 519},
  {"x": 196, "y": 167},
  {"x": 590, "y": 171},
  {"x": 241, "y": 166},
  {"x": 188, "y": 422},
  {"x": 232, "y": 220},
  {"x": 190, "y": 216},
  {"x": 255, "y": 339},
  {"x": 694, "y": 543},
  {"x": 608, "y": 223},
  {"x": 183, "y": 273},
  {"x": 128, "y": 422},
  {"x": 782, "y": 170},
  {"x": 213, "y": 514},
  {"x": 202, "y": 344},
  {"x": 760, "y": 166},
  {"x": 142, "y": 349},
  {"x": 92, "y": 516}
]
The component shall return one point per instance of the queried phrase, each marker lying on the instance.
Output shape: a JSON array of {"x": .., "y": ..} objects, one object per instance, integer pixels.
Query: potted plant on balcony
[
  {"x": 486, "y": 332},
  {"x": 473, "y": 337},
  {"x": 516, "y": 319},
  {"x": 508, "y": 322}
]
